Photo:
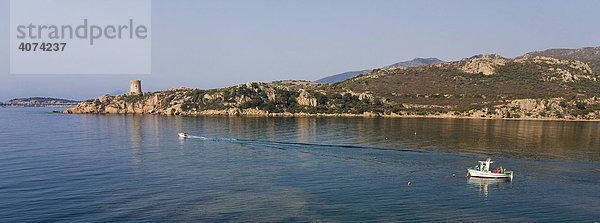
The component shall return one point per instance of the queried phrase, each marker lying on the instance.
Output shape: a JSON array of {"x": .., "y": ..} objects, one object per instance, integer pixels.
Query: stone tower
[{"x": 136, "y": 87}]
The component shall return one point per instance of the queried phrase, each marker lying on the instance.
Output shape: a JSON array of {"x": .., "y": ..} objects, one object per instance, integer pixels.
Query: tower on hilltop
[{"x": 136, "y": 87}]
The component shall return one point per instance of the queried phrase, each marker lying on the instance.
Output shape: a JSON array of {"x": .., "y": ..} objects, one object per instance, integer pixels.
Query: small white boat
[
  {"x": 483, "y": 171},
  {"x": 183, "y": 134}
]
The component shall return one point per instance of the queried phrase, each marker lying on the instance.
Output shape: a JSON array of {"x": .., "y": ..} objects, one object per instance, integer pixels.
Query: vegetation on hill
[
  {"x": 39, "y": 102},
  {"x": 588, "y": 55},
  {"x": 483, "y": 86},
  {"x": 449, "y": 87}
]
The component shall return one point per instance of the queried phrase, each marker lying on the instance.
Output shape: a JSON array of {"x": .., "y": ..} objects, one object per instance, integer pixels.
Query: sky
[{"x": 214, "y": 44}]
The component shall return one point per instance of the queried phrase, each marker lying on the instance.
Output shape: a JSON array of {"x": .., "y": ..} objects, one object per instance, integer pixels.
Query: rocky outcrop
[
  {"x": 544, "y": 109},
  {"x": 555, "y": 69},
  {"x": 565, "y": 70},
  {"x": 245, "y": 99},
  {"x": 587, "y": 55},
  {"x": 484, "y": 64},
  {"x": 305, "y": 99}
]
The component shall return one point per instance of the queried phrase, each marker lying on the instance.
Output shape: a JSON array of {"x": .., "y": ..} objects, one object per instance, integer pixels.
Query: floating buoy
[
  {"x": 453, "y": 175},
  {"x": 408, "y": 183}
]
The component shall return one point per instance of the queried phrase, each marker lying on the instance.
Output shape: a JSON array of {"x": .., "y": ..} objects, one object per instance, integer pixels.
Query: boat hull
[
  {"x": 487, "y": 174},
  {"x": 182, "y": 135}
]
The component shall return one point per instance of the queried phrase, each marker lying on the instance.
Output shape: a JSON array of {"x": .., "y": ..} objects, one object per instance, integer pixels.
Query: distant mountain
[
  {"x": 39, "y": 102},
  {"x": 416, "y": 62},
  {"x": 341, "y": 77},
  {"x": 118, "y": 92},
  {"x": 347, "y": 75},
  {"x": 588, "y": 55}
]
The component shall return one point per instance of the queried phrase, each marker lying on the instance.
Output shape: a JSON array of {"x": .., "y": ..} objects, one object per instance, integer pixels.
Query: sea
[{"x": 134, "y": 168}]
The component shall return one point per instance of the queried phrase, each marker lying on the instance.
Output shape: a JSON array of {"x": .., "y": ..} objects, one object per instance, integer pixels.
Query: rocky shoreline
[
  {"x": 366, "y": 115},
  {"x": 522, "y": 109}
]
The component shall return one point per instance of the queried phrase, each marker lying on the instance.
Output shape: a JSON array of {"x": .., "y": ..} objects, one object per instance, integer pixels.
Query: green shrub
[
  {"x": 563, "y": 104},
  {"x": 559, "y": 115},
  {"x": 167, "y": 101}
]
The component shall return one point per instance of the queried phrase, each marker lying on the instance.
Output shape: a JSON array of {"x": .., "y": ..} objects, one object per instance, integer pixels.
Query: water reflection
[
  {"x": 483, "y": 184},
  {"x": 306, "y": 129},
  {"x": 496, "y": 138},
  {"x": 515, "y": 139},
  {"x": 143, "y": 132},
  {"x": 135, "y": 138}
]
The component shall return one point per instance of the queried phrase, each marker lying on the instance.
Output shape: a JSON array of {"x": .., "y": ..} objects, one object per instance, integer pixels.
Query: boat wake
[
  {"x": 279, "y": 144},
  {"x": 210, "y": 139}
]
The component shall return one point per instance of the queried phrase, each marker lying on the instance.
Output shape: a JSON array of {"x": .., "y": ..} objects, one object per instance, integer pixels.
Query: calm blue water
[{"x": 98, "y": 168}]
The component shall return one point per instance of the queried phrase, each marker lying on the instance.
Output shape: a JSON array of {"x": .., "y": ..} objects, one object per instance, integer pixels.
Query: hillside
[
  {"x": 39, "y": 102},
  {"x": 347, "y": 75},
  {"x": 588, "y": 55},
  {"x": 482, "y": 86},
  {"x": 487, "y": 85}
]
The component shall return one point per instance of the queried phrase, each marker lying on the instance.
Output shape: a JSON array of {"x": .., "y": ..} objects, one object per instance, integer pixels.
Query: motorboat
[
  {"x": 183, "y": 134},
  {"x": 482, "y": 170}
]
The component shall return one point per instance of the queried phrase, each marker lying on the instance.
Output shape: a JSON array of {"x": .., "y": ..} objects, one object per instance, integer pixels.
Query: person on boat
[{"x": 501, "y": 170}]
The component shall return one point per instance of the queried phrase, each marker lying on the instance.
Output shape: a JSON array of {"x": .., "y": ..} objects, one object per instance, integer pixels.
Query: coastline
[
  {"x": 224, "y": 113},
  {"x": 266, "y": 100},
  {"x": 36, "y": 106}
]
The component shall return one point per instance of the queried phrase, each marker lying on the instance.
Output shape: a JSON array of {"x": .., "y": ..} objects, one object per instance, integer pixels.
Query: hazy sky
[{"x": 212, "y": 44}]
